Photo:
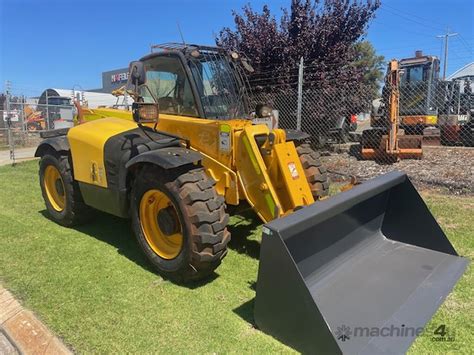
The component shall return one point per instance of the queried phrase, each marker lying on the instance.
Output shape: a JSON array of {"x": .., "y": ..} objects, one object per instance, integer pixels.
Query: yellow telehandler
[{"x": 371, "y": 256}]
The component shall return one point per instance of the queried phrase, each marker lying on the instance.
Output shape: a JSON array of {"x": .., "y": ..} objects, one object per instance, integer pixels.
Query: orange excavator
[{"x": 388, "y": 143}]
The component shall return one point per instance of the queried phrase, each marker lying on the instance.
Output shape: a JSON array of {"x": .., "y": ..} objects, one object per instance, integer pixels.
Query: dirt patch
[{"x": 447, "y": 169}]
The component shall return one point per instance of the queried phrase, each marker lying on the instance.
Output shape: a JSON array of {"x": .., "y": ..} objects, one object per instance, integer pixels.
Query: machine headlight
[{"x": 145, "y": 112}]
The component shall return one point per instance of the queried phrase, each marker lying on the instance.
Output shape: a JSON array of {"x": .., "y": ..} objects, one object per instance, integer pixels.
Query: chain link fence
[
  {"x": 438, "y": 114},
  {"x": 21, "y": 122}
]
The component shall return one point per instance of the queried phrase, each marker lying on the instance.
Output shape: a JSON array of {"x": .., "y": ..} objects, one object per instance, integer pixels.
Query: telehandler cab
[{"x": 372, "y": 256}]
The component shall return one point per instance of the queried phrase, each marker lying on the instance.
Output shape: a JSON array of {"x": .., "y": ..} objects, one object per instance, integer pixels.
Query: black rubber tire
[
  {"x": 315, "y": 172},
  {"x": 202, "y": 216},
  {"x": 75, "y": 211}
]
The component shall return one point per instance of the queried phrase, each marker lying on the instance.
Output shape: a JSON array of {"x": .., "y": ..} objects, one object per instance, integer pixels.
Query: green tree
[{"x": 371, "y": 65}]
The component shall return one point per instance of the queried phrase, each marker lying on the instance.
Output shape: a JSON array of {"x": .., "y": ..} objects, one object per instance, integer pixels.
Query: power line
[
  {"x": 461, "y": 54},
  {"x": 404, "y": 30},
  {"x": 427, "y": 23},
  {"x": 460, "y": 59},
  {"x": 430, "y": 21},
  {"x": 466, "y": 45},
  {"x": 424, "y": 46},
  {"x": 410, "y": 19}
]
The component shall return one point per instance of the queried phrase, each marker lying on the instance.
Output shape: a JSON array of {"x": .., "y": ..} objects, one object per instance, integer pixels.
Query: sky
[{"x": 69, "y": 43}]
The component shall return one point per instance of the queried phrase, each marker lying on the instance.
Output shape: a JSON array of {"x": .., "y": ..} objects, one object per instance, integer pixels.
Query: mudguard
[
  {"x": 167, "y": 158},
  {"x": 58, "y": 143}
]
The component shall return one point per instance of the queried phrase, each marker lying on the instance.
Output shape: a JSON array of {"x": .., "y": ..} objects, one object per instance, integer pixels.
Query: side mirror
[
  {"x": 137, "y": 73},
  {"x": 144, "y": 112}
]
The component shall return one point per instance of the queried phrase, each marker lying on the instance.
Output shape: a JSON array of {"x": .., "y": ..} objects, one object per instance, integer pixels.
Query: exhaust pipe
[{"x": 361, "y": 272}]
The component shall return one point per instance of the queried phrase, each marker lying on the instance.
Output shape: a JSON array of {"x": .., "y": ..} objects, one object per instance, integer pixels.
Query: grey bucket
[{"x": 359, "y": 273}]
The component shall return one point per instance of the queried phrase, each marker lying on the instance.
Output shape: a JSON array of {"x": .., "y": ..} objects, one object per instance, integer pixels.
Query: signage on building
[
  {"x": 115, "y": 78},
  {"x": 14, "y": 115}
]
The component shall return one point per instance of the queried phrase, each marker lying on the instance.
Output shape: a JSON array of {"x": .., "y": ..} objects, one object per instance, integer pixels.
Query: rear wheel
[
  {"x": 60, "y": 192},
  {"x": 180, "y": 222},
  {"x": 315, "y": 172}
]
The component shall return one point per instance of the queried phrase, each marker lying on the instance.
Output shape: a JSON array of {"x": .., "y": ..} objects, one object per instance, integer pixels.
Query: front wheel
[{"x": 179, "y": 221}]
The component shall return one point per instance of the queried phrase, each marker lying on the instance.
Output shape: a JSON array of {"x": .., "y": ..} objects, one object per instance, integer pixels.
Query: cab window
[{"x": 166, "y": 82}]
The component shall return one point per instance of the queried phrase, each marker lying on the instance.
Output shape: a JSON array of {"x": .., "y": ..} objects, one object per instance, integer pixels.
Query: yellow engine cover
[{"x": 87, "y": 147}]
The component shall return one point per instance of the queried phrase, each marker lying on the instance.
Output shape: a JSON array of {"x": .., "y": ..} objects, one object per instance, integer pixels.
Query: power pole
[{"x": 446, "y": 37}]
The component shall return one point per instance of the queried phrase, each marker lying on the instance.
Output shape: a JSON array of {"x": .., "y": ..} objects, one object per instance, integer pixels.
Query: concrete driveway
[{"x": 21, "y": 154}]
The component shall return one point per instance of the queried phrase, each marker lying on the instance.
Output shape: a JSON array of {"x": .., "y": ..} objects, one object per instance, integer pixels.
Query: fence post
[
  {"x": 11, "y": 137},
  {"x": 300, "y": 94}
]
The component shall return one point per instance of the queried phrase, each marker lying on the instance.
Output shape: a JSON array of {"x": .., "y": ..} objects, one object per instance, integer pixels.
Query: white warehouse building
[{"x": 86, "y": 98}]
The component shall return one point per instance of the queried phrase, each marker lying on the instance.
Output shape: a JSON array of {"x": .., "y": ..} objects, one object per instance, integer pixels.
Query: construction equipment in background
[
  {"x": 387, "y": 143},
  {"x": 456, "y": 119},
  {"x": 173, "y": 173},
  {"x": 34, "y": 119},
  {"x": 429, "y": 106},
  {"x": 418, "y": 98},
  {"x": 56, "y": 114}
]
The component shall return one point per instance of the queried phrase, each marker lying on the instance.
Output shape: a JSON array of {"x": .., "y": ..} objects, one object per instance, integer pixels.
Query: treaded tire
[
  {"x": 202, "y": 216},
  {"x": 75, "y": 211},
  {"x": 315, "y": 172}
]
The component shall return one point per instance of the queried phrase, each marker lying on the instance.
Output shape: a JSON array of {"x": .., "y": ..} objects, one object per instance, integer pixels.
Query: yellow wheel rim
[
  {"x": 54, "y": 187},
  {"x": 160, "y": 224}
]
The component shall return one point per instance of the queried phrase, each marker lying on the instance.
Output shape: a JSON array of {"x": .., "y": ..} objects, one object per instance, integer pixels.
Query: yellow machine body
[
  {"x": 419, "y": 120},
  {"x": 87, "y": 143},
  {"x": 269, "y": 177},
  {"x": 352, "y": 259}
]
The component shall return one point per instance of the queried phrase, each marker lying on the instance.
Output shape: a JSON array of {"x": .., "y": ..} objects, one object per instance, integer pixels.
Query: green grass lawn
[{"x": 93, "y": 287}]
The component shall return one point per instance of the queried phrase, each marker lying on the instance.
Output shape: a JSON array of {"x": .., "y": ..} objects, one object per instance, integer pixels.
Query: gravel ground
[{"x": 449, "y": 169}]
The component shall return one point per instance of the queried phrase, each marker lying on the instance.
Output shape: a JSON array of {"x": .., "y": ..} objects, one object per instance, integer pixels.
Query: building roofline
[{"x": 459, "y": 70}]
